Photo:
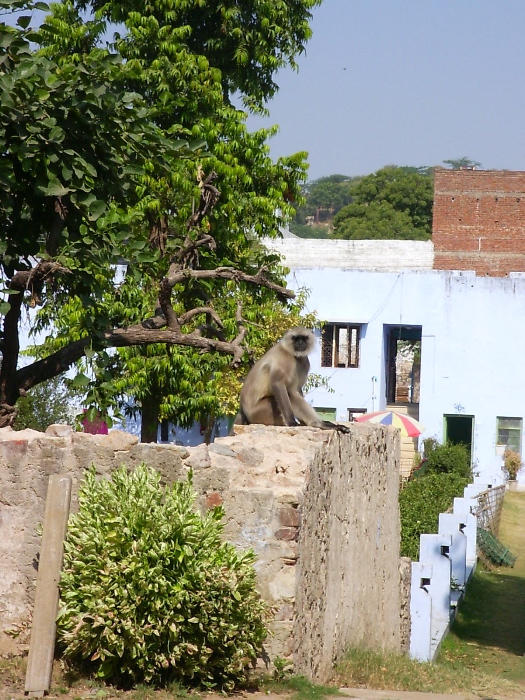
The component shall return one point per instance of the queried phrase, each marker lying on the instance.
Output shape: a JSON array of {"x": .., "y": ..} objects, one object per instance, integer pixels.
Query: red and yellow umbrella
[{"x": 409, "y": 427}]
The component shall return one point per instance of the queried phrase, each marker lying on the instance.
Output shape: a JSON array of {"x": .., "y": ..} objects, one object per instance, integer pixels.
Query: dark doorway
[
  {"x": 403, "y": 364},
  {"x": 458, "y": 430}
]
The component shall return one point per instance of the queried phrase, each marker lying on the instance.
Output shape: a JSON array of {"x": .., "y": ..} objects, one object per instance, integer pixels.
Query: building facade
[{"x": 432, "y": 328}]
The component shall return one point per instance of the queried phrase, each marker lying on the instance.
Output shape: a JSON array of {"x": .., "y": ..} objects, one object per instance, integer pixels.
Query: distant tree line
[{"x": 392, "y": 203}]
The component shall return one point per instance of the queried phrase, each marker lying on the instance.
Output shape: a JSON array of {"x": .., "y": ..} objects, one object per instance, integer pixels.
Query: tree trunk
[
  {"x": 210, "y": 424},
  {"x": 150, "y": 418}
]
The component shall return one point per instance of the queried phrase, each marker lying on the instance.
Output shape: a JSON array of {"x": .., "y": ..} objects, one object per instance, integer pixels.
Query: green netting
[{"x": 494, "y": 550}]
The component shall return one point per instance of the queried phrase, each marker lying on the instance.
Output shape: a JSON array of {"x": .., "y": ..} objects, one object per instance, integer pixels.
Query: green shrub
[
  {"x": 149, "y": 592},
  {"x": 447, "y": 459},
  {"x": 420, "y": 503}
]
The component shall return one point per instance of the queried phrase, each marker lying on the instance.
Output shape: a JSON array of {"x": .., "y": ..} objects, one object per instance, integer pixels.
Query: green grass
[
  {"x": 483, "y": 654},
  {"x": 298, "y": 688},
  {"x": 489, "y": 631},
  {"x": 365, "y": 668}
]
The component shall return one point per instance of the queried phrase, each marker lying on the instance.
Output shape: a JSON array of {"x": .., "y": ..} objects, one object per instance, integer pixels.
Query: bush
[
  {"x": 149, "y": 592},
  {"x": 447, "y": 459},
  {"x": 512, "y": 464},
  {"x": 420, "y": 503}
]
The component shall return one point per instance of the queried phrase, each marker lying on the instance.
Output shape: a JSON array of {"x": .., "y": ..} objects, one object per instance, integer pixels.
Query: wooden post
[{"x": 43, "y": 629}]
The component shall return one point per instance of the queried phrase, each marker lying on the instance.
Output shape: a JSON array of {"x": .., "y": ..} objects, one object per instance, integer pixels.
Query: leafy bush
[
  {"x": 512, "y": 464},
  {"x": 447, "y": 459},
  {"x": 149, "y": 592},
  {"x": 420, "y": 503}
]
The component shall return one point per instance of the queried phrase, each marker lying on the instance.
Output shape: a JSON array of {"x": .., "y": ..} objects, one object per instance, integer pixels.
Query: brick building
[{"x": 479, "y": 221}]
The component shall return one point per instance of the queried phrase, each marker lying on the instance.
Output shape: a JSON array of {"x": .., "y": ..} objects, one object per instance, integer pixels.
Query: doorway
[
  {"x": 459, "y": 430},
  {"x": 403, "y": 364}
]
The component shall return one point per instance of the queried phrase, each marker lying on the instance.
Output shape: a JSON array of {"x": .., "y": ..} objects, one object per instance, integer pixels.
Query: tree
[
  {"x": 377, "y": 220},
  {"x": 324, "y": 197},
  {"x": 462, "y": 163},
  {"x": 105, "y": 161},
  {"x": 247, "y": 42},
  {"x": 47, "y": 403},
  {"x": 394, "y": 202}
]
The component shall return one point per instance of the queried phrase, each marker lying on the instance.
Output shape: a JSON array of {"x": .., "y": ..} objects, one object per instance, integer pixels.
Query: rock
[
  {"x": 59, "y": 430},
  {"x": 120, "y": 441}
]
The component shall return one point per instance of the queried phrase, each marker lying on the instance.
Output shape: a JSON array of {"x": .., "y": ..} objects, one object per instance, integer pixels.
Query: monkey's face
[{"x": 301, "y": 344}]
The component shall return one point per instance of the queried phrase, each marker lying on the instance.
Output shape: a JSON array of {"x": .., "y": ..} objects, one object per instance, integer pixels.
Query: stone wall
[
  {"x": 319, "y": 509},
  {"x": 348, "y": 579}
]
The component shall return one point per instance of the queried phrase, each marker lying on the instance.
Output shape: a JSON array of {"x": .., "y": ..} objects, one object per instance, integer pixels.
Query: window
[
  {"x": 354, "y": 413},
  {"x": 509, "y": 433},
  {"x": 340, "y": 345},
  {"x": 326, "y": 413}
]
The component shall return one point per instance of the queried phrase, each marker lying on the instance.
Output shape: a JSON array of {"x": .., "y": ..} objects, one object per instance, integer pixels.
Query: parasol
[{"x": 409, "y": 427}]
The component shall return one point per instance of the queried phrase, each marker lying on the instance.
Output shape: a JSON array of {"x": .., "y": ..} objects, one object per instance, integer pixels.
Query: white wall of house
[{"x": 473, "y": 339}]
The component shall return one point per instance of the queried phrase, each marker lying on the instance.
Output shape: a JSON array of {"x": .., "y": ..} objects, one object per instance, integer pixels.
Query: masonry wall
[
  {"x": 479, "y": 221},
  {"x": 319, "y": 509},
  {"x": 348, "y": 574}
]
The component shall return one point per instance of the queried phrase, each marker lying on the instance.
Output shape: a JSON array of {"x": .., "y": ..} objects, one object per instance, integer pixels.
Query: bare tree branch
[
  {"x": 62, "y": 359},
  {"x": 201, "y": 310},
  {"x": 230, "y": 273}
]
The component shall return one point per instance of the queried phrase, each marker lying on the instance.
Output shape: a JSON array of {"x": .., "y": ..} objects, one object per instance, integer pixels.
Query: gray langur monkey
[{"x": 272, "y": 393}]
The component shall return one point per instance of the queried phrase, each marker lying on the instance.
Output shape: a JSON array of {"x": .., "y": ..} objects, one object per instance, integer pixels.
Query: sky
[{"x": 405, "y": 82}]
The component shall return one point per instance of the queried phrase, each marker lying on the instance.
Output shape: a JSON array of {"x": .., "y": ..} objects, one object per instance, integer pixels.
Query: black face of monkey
[{"x": 300, "y": 343}]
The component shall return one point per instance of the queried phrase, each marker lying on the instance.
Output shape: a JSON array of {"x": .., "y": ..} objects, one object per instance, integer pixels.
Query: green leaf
[
  {"x": 80, "y": 381},
  {"x": 96, "y": 209},
  {"x": 55, "y": 189},
  {"x": 56, "y": 134},
  {"x": 24, "y": 21}
]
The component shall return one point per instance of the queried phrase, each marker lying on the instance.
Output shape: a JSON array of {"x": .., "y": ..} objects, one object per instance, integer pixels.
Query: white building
[{"x": 468, "y": 331}]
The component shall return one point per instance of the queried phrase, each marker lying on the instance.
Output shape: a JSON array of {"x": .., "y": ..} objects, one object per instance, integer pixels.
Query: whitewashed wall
[{"x": 473, "y": 336}]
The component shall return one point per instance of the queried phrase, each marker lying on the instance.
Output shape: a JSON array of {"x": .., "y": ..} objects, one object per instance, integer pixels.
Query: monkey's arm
[
  {"x": 328, "y": 425},
  {"x": 280, "y": 394},
  {"x": 308, "y": 416}
]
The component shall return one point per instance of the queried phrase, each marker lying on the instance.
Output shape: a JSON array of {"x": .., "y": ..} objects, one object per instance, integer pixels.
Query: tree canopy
[
  {"x": 136, "y": 159},
  {"x": 394, "y": 202},
  {"x": 323, "y": 198}
]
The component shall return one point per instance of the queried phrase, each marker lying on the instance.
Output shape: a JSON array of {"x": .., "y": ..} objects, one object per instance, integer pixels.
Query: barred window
[
  {"x": 340, "y": 345},
  {"x": 509, "y": 433}
]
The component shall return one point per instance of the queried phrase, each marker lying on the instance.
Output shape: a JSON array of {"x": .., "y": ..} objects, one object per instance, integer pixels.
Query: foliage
[
  {"x": 307, "y": 231},
  {"x": 403, "y": 196},
  {"x": 323, "y": 198},
  {"x": 377, "y": 220},
  {"x": 421, "y": 501},
  {"x": 462, "y": 163},
  {"x": 106, "y": 162},
  {"x": 45, "y": 404},
  {"x": 247, "y": 42},
  {"x": 447, "y": 459},
  {"x": 512, "y": 464},
  {"x": 149, "y": 592}
]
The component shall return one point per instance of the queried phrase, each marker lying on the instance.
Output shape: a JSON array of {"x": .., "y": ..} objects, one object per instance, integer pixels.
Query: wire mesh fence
[
  {"x": 491, "y": 551},
  {"x": 488, "y": 510}
]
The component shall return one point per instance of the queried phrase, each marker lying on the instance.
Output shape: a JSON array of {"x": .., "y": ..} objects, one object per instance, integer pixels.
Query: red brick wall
[{"x": 479, "y": 221}]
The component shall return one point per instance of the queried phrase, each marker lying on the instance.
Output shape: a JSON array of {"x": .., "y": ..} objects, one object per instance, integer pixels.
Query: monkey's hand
[{"x": 327, "y": 425}]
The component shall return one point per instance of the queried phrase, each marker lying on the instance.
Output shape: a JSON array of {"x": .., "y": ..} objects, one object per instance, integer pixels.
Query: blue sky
[{"x": 405, "y": 82}]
